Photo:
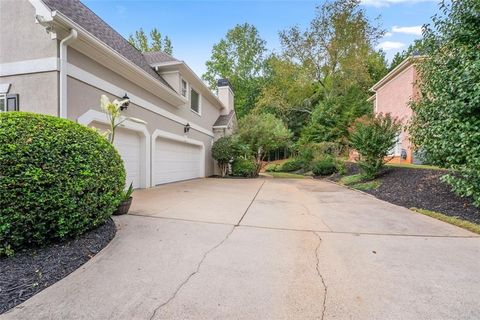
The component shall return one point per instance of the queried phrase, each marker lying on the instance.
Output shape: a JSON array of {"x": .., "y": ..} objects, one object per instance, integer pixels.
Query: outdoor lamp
[
  {"x": 125, "y": 105},
  {"x": 186, "y": 129}
]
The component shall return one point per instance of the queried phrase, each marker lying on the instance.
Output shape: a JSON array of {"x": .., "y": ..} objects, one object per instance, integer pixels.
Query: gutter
[{"x": 63, "y": 71}]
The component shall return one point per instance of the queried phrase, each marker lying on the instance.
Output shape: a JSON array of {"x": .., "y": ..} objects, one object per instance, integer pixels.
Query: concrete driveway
[{"x": 270, "y": 249}]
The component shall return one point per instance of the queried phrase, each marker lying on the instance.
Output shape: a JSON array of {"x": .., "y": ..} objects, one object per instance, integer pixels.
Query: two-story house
[{"x": 57, "y": 57}]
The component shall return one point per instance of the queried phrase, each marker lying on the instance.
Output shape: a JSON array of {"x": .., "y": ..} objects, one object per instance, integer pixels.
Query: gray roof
[
  {"x": 158, "y": 57},
  {"x": 224, "y": 120},
  {"x": 86, "y": 18}
]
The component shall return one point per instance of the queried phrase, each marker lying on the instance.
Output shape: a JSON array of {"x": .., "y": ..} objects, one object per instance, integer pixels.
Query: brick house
[{"x": 393, "y": 94}]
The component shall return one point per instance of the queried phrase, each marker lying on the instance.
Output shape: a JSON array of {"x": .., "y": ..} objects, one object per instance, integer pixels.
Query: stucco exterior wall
[
  {"x": 83, "y": 97},
  {"x": 17, "y": 18},
  {"x": 209, "y": 112},
  {"x": 38, "y": 92},
  {"x": 394, "y": 97}
]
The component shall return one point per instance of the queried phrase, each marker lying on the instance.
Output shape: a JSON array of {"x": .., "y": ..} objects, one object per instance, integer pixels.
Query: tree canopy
[
  {"x": 239, "y": 57},
  {"x": 446, "y": 125},
  {"x": 155, "y": 42}
]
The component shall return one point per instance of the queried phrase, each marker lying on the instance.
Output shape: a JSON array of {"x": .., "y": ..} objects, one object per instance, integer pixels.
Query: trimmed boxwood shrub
[
  {"x": 58, "y": 179},
  {"x": 244, "y": 168}
]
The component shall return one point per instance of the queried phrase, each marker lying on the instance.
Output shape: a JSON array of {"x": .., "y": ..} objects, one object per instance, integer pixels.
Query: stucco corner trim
[
  {"x": 96, "y": 116},
  {"x": 178, "y": 138}
]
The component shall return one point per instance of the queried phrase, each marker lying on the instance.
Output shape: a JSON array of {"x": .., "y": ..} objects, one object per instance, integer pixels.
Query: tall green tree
[
  {"x": 338, "y": 51},
  {"x": 335, "y": 46},
  {"x": 155, "y": 42},
  {"x": 286, "y": 92},
  {"x": 239, "y": 57},
  {"x": 262, "y": 133},
  {"x": 446, "y": 124}
]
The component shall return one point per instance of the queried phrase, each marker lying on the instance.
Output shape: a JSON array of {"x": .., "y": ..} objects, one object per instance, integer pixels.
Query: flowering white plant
[{"x": 115, "y": 118}]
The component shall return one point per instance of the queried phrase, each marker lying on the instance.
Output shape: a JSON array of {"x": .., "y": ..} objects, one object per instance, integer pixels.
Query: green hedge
[
  {"x": 244, "y": 168},
  {"x": 290, "y": 165},
  {"x": 324, "y": 166},
  {"x": 58, "y": 179}
]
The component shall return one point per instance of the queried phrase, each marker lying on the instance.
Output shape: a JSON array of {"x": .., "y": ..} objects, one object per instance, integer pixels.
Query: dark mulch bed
[
  {"x": 30, "y": 271},
  {"x": 421, "y": 188}
]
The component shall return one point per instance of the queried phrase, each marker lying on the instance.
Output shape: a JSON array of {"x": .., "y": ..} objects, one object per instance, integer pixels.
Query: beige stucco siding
[
  {"x": 83, "y": 97},
  {"x": 38, "y": 92},
  {"x": 209, "y": 112},
  {"x": 21, "y": 38}
]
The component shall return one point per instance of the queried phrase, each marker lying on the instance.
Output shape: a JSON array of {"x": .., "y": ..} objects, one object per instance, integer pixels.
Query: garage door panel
[
  {"x": 176, "y": 161},
  {"x": 128, "y": 145}
]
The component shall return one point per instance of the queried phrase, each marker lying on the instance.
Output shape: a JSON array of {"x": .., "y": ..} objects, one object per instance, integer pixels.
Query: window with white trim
[
  {"x": 194, "y": 101},
  {"x": 183, "y": 88},
  {"x": 3, "y": 103}
]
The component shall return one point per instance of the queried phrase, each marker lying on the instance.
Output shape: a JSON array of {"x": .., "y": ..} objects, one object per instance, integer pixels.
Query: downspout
[{"x": 63, "y": 71}]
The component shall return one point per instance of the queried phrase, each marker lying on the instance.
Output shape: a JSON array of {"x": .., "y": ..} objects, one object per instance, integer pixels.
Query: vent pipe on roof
[
  {"x": 63, "y": 71},
  {"x": 226, "y": 95}
]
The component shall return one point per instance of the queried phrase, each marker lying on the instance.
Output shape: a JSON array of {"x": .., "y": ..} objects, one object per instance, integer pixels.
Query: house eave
[
  {"x": 397, "y": 70},
  {"x": 103, "y": 54}
]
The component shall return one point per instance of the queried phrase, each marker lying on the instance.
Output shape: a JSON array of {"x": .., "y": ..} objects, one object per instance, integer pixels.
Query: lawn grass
[
  {"x": 285, "y": 175},
  {"x": 413, "y": 166},
  {"x": 369, "y": 185},
  {"x": 470, "y": 226}
]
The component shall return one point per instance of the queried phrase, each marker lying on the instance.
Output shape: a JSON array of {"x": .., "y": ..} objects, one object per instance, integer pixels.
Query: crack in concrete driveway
[{"x": 244, "y": 249}]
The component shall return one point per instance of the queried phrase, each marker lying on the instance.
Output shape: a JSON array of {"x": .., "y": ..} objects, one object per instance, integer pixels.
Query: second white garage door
[{"x": 176, "y": 161}]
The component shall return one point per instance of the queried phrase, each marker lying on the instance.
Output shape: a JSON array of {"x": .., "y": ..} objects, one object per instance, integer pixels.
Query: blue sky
[{"x": 195, "y": 25}]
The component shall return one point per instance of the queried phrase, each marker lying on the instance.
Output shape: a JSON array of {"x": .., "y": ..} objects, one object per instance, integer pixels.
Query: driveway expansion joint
[
  {"x": 251, "y": 202},
  {"x": 317, "y": 267}
]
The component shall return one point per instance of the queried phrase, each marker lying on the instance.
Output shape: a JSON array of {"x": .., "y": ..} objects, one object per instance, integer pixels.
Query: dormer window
[{"x": 183, "y": 89}]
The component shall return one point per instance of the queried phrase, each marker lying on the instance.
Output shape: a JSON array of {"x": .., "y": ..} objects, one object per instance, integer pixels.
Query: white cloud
[
  {"x": 390, "y": 45},
  {"x": 388, "y": 34},
  {"x": 415, "y": 30},
  {"x": 387, "y": 3}
]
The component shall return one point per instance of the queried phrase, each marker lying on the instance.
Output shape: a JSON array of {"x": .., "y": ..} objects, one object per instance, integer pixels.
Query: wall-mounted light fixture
[
  {"x": 186, "y": 129},
  {"x": 125, "y": 105}
]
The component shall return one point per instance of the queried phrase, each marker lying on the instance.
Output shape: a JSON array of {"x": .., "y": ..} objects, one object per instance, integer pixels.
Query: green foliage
[
  {"x": 239, "y": 57},
  {"x": 446, "y": 125},
  {"x": 291, "y": 165},
  {"x": 156, "y": 43},
  {"x": 58, "y": 180},
  {"x": 224, "y": 151},
  {"x": 373, "y": 137},
  {"x": 244, "y": 167},
  {"x": 127, "y": 194},
  {"x": 415, "y": 49},
  {"x": 352, "y": 179},
  {"x": 272, "y": 167},
  {"x": 286, "y": 175},
  {"x": 324, "y": 166},
  {"x": 369, "y": 185},
  {"x": 332, "y": 117},
  {"x": 262, "y": 133},
  {"x": 287, "y": 92}
]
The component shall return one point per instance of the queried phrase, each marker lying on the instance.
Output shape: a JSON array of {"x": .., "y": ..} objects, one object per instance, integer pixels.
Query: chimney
[{"x": 225, "y": 95}]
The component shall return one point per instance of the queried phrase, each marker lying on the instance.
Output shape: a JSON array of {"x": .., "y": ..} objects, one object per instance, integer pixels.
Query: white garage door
[
  {"x": 128, "y": 144},
  {"x": 176, "y": 161}
]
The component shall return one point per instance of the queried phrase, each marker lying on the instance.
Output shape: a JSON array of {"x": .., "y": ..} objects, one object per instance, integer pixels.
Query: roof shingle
[
  {"x": 87, "y": 19},
  {"x": 158, "y": 57}
]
